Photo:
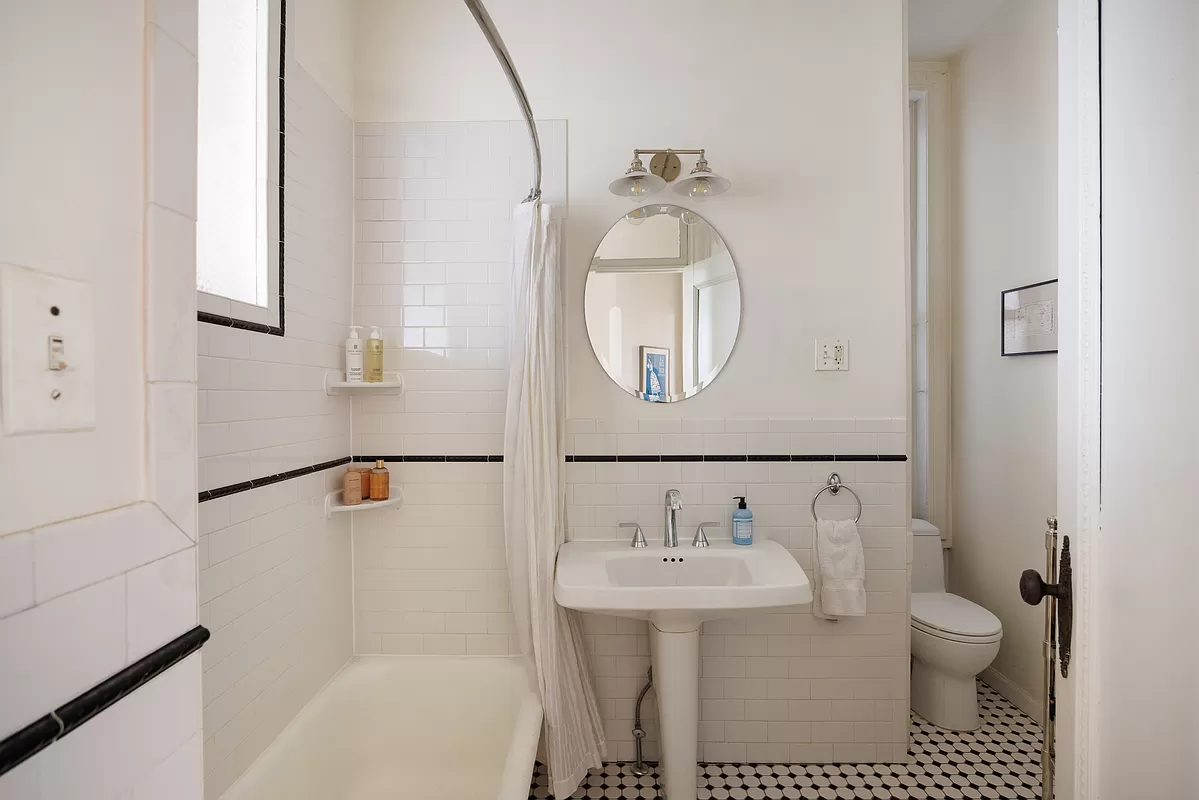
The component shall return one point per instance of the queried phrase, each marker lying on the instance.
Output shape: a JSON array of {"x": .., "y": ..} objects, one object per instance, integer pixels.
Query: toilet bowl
[{"x": 953, "y": 639}]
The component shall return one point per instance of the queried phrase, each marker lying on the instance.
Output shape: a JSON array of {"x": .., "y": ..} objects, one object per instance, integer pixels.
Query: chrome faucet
[{"x": 674, "y": 502}]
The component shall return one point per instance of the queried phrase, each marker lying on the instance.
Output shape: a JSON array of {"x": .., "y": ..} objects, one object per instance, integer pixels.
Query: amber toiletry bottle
[
  {"x": 380, "y": 482},
  {"x": 351, "y": 488},
  {"x": 364, "y": 473}
]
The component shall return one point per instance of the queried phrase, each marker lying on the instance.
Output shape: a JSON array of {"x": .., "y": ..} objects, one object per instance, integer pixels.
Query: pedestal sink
[{"x": 676, "y": 589}]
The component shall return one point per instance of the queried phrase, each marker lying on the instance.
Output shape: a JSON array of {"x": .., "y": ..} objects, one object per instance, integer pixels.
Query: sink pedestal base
[{"x": 675, "y": 658}]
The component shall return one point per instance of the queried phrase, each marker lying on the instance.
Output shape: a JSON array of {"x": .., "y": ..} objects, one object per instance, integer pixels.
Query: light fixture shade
[
  {"x": 702, "y": 183},
  {"x": 636, "y": 184}
]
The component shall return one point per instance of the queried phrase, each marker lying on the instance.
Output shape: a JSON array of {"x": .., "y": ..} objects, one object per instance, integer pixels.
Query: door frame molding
[{"x": 1079, "y": 365}]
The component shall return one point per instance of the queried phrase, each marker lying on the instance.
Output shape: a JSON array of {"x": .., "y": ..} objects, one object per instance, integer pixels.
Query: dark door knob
[
  {"x": 1033, "y": 587},
  {"x": 1033, "y": 590}
]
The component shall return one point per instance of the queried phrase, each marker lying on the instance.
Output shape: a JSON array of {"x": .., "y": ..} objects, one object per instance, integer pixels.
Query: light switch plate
[
  {"x": 47, "y": 360},
  {"x": 832, "y": 355}
]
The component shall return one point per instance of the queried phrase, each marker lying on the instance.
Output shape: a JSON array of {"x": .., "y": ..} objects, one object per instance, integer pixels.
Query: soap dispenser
[
  {"x": 374, "y": 356},
  {"x": 354, "y": 356},
  {"x": 743, "y": 523}
]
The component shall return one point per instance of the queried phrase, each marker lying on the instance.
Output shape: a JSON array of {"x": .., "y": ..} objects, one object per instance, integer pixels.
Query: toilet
[{"x": 953, "y": 639}]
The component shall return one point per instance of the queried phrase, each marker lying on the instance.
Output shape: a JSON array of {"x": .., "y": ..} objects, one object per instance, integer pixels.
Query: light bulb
[
  {"x": 690, "y": 217},
  {"x": 700, "y": 188},
  {"x": 636, "y": 216},
  {"x": 636, "y": 188}
]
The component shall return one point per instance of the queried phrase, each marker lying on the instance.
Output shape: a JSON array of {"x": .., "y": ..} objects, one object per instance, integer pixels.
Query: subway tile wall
[
  {"x": 433, "y": 204},
  {"x": 274, "y": 573},
  {"x": 433, "y": 208},
  {"x": 781, "y": 687}
]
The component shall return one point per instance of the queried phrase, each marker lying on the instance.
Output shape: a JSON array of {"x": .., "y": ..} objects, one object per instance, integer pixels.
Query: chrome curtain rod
[{"x": 518, "y": 89}]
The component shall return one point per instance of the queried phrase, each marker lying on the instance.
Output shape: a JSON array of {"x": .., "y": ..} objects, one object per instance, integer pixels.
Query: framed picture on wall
[
  {"x": 655, "y": 374},
  {"x": 1029, "y": 319}
]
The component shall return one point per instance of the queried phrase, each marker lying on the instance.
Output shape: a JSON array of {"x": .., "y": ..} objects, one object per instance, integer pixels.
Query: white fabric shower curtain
[{"x": 535, "y": 502}]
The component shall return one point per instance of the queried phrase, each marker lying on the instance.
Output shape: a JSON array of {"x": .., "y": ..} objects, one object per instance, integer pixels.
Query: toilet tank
[{"x": 928, "y": 565}]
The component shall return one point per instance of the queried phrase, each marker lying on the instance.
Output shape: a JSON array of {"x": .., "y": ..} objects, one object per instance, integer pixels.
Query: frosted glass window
[{"x": 232, "y": 182}]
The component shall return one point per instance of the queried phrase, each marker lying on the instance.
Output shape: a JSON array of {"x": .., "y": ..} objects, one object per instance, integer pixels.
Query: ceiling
[{"x": 938, "y": 29}]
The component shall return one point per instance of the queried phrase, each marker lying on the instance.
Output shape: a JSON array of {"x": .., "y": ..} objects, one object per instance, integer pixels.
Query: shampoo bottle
[
  {"x": 380, "y": 481},
  {"x": 374, "y": 356},
  {"x": 743, "y": 523},
  {"x": 354, "y": 356}
]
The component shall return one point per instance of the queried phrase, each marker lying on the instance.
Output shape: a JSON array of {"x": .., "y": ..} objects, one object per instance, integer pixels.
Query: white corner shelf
[
  {"x": 333, "y": 504},
  {"x": 392, "y": 384}
]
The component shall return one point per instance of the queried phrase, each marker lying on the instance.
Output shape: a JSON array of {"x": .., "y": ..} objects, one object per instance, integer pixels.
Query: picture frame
[
  {"x": 1028, "y": 317},
  {"x": 654, "y": 374}
]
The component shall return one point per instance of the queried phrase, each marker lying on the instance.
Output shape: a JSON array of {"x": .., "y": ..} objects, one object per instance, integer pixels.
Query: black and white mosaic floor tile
[{"x": 999, "y": 761}]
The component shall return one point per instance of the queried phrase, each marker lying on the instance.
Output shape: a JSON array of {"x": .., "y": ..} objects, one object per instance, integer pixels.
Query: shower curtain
[{"x": 534, "y": 502}]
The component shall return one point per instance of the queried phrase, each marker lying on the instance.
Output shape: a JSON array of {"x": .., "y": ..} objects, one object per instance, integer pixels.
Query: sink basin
[{"x": 677, "y": 588}]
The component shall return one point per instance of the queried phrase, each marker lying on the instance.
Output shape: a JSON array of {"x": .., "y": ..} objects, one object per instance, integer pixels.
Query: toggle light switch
[
  {"x": 41, "y": 390},
  {"x": 58, "y": 353}
]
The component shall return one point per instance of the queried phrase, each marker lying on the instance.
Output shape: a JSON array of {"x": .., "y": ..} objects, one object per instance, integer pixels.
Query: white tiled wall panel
[
  {"x": 262, "y": 406},
  {"x": 781, "y": 687},
  {"x": 274, "y": 573},
  {"x": 434, "y": 204}
]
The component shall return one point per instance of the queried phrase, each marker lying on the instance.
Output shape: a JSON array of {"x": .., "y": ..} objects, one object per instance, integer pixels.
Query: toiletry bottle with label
[
  {"x": 380, "y": 482},
  {"x": 351, "y": 488},
  {"x": 354, "y": 356},
  {"x": 364, "y": 480},
  {"x": 373, "y": 364},
  {"x": 743, "y": 523}
]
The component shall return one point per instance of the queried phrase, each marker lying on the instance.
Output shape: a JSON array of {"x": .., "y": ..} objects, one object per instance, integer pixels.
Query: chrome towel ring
[{"x": 833, "y": 486}]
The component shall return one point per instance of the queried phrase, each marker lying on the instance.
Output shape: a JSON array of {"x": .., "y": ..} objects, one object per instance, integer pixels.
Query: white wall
[
  {"x": 1004, "y": 409},
  {"x": 324, "y": 42},
  {"x": 1144, "y": 696},
  {"x": 818, "y": 233},
  {"x": 275, "y": 575},
  {"x": 99, "y": 186},
  {"x": 794, "y": 222}
]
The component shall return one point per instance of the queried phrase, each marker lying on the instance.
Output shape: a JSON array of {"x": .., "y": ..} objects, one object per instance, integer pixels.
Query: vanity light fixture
[{"x": 664, "y": 167}]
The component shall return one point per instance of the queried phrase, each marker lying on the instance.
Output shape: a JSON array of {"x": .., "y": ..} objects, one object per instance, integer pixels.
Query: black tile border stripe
[
  {"x": 768, "y": 457},
  {"x": 258, "y": 483},
  {"x": 45, "y": 731},
  {"x": 432, "y": 459},
  {"x": 241, "y": 324}
]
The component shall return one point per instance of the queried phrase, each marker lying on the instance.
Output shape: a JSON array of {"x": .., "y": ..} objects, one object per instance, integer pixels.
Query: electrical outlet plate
[
  {"x": 832, "y": 355},
  {"x": 47, "y": 364}
]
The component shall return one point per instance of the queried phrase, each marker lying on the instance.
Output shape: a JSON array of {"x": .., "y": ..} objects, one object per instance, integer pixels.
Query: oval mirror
[{"x": 662, "y": 303}]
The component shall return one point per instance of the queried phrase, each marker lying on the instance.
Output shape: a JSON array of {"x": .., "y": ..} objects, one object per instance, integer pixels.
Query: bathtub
[{"x": 400, "y": 727}]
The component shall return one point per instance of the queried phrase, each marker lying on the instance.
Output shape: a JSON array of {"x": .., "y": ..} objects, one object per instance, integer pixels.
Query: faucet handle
[
  {"x": 701, "y": 539},
  {"x": 638, "y": 537}
]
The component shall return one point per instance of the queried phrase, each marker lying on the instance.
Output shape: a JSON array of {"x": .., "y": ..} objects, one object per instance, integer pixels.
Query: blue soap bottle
[{"x": 743, "y": 523}]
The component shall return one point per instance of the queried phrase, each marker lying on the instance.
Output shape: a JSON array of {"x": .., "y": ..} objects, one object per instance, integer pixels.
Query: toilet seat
[{"x": 956, "y": 619}]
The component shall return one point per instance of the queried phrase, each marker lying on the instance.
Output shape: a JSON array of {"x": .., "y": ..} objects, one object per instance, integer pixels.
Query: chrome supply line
[{"x": 518, "y": 89}]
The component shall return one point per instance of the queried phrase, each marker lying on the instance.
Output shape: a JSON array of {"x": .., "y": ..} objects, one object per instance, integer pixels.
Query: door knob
[
  {"x": 1033, "y": 590},
  {"x": 1033, "y": 587}
]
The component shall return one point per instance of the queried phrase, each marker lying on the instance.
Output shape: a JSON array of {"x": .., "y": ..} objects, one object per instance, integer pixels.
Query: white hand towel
[{"x": 840, "y": 585}]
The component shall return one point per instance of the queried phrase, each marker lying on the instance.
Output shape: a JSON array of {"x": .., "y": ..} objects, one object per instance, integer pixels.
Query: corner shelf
[
  {"x": 392, "y": 384},
  {"x": 333, "y": 504}
]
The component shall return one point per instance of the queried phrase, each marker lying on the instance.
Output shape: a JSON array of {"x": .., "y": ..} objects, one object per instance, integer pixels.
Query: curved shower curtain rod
[{"x": 518, "y": 89}]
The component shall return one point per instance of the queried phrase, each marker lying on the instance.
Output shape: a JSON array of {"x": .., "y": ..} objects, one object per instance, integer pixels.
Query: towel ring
[{"x": 834, "y": 485}]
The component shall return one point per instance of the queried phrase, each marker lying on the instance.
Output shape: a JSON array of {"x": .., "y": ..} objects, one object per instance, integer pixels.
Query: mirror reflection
[{"x": 663, "y": 304}]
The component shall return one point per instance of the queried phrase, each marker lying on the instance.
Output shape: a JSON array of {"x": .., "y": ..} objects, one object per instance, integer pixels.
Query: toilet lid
[{"x": 957, "y": 615}]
